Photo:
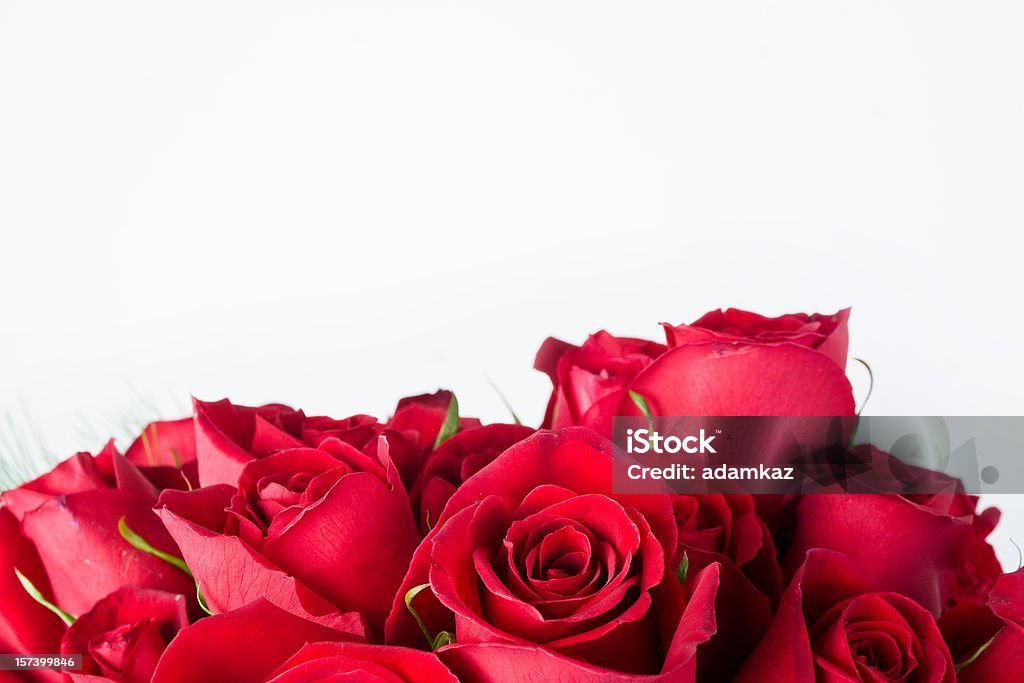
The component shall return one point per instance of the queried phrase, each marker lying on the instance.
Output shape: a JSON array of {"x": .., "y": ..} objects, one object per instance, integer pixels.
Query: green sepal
[
  {"x": 409, "y": 595},
  {"x": 38, "y": 597},
  {"x": 202, "y": 600},
  {"x": 450, "y": 424},
  {"x": 644, "y": 407},
  {"x": 871, "y": 383},
  {"x": 139, "y": 543},
  {"x": 443, "y": 638},
  {"x": 976, "y": 654},
  {"x": 504, "y": 399},
  {"x": 683, "y": 568}
]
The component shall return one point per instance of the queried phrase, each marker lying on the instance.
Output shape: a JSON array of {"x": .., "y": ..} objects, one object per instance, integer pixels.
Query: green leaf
[
  {"x": 683, "y": 568},
  {"x": 38, "y": 597},
  {"x": 977, "y": 654},
  {"x": 644, "y": 407},
  {"x": 443, "y": 638},
  {"x": 450, "y": 424},
  {"x": 412, "y": 593},
  {"x": 139, "y": 543}
]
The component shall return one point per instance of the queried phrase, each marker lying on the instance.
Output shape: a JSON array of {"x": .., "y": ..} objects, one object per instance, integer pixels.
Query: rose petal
[
  {"x": 901, "y": 546},
  {"x": 507, "y": 663},
  {"x": 84, "y": 554},
  {"x": 241, "y": 646},
  {"x": 25, "y": 626},
  {"x": 318, "y": 661},
  {"x": 229, "y": 573},
  {"x": 742, "y": 379},
  {"x": 335, "y": 545}
]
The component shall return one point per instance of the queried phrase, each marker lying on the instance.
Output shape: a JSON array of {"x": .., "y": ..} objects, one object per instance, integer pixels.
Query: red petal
[
  {"x": 242, "y": 646},
  {"x": 84, "y": 554},
  {"x": 742, "y": 379}
]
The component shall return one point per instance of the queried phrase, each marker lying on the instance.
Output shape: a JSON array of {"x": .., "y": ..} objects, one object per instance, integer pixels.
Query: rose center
[
  {"x": 562, "y": 553},
  {"x": 277, "y": 494}
]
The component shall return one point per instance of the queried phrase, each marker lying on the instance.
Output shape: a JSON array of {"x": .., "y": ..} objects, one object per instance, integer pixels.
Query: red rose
[
  {"x": 259, "y": 642},
  {"x": 828, "y": 334},
  {"x": 414, "y": 427},
  {"x": 920, "y": 548},
  {"x": 731, "y": 363},
  {"x": 988, "y": 641},
  {"x": 724, "y": 529},
  {"x": 320, "y": 531},
  {"x": 230, "y": 573},
  {"x": 71, "y": 517},
  {"x": 228, "y": 436},
  {"x": 455, "y": 461},
  {"x": 591, "y": 380},
  {"x": 535, "y": 560},
  {"x": 830, "y": 626},
  {"x": 122, "y": 637},
  {"x": 727, "y": 526}
]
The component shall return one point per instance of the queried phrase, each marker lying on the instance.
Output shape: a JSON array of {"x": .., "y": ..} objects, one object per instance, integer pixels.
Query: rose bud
[{"x": 830, "y": 626}]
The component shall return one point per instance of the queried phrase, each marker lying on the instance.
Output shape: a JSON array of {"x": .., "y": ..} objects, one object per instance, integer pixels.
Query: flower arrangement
[{"x": 261, "y": 544}]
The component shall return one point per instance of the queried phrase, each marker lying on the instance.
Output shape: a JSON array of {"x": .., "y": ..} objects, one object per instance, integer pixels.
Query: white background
[{"x": 336, "y": 204}]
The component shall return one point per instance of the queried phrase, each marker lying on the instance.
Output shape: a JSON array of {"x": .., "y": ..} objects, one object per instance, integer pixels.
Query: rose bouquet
[{"x": 261, "y": 544}]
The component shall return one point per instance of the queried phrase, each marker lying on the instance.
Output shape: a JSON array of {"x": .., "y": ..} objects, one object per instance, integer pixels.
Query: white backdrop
[{"x": 336, "y": 204}]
